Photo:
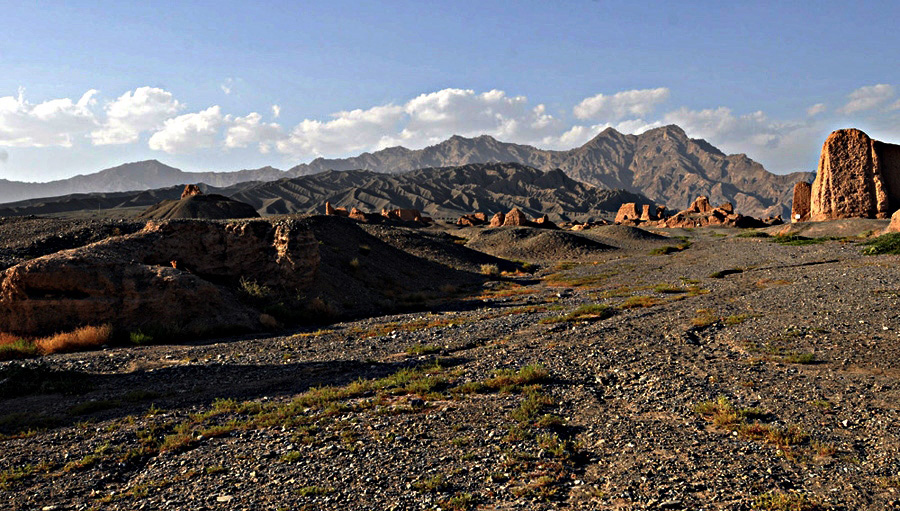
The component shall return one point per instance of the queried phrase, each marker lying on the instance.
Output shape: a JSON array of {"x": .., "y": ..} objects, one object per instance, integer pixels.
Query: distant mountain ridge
[
  {"x": 444, "y": 193},
  {"x": 663, "y": 163}
]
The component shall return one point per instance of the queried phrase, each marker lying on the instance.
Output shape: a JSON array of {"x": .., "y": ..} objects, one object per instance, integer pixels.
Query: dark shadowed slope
[{"x": 444, "y": 193}]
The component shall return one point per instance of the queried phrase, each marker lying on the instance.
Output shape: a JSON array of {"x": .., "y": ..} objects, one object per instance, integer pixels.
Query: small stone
[{"x": 224, "y": 498}]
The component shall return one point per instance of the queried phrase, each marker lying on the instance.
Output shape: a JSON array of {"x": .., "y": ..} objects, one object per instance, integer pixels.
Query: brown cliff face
[
  {"x": 857, "y": 178},
  {"x": 175, "y": 274}
]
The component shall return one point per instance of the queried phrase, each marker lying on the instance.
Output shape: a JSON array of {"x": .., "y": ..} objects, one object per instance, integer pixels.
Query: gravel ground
[{"x": 734, "y": 374}]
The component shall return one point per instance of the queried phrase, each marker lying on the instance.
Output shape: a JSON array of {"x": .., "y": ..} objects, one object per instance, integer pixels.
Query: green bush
[{"x": 884, "y": 244}]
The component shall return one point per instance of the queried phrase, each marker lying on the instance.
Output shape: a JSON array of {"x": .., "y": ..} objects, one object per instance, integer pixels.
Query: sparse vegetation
[
  {"x": 422, "y": 349},
  {"x": 752, "y": 234},
  {"x": 783, "y": 501},
  {"x": 884, "y": 244},
  {"x": 589, "y": 312},
  {"x": 724, "y": 273},
  {"x": 490, "y": 270},
  {"x": 635, "y": 302}
]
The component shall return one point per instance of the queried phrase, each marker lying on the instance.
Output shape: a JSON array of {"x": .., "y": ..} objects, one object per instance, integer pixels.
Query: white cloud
[
  {"x": 226, "y": 86},
  {"x": 132, "y": 113},
  {"x": 867, "y": 98},
  {"x": 630, "y": 103},
  {"x": 57, "y": 122},
  {"x": 189, "y": 132},
  {"x": 431, "y": 118},
  {"x": 816, "y": 109},
  {"x": 356, "y": 130},
  {"x": 276, "y": 111},
  {"x": 244, "y": 131}
]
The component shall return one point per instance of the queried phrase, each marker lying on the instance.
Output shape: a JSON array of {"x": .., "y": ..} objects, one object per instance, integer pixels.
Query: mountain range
[
  {"x": 663, "y": 164},
  {"x": 443, "y": 193}
]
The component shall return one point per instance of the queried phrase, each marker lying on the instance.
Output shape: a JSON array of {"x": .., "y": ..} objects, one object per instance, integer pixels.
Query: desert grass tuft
[{"x": 87, "y": 337}]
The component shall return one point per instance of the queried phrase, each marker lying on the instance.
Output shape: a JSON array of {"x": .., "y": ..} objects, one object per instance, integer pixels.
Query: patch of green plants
[
  {"x": 459, "y": 502},
  {"x": 671, "y": 249},
  {"x": 705, "y": 318},
  {"x": 311, "y": 491},
  {"x": 139, "y": 338},
  {"x": 593, "y": 312},
  {"x": 736, "y": 319},
  {"x": 796, "y": 240},
  {"x": 636, "y": 302},
  {"x": 490, "y": 270},
  {"x": 433, "y": 484},
  {"x": 800, "y": 358},
  {"x": 884, "y": 244},
  {"x": 669, "y": 289},
  {"x": 88, "y": 407},
  {"x": 17, "y": 349},
  {"x": 752, "y": 234},
  {"x": 784, "y": 501},
  {"x": 724, "y": 273},
  {"x": 723, "y": 414},
  {"x": 422, "y": 349}
]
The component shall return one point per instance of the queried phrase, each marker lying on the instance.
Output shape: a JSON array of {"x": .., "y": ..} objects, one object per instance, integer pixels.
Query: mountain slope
[
  {"x": 443, "y": 192},
  {"x": 663, "y": 164},
  {"x": 142, "y": 175}
]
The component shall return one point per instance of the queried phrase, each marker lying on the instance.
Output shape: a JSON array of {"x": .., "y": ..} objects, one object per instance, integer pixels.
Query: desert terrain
[{"x": 613, "y": 368}]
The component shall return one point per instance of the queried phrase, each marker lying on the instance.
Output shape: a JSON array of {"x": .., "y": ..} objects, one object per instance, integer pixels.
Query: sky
[{"x": 228, "y": 85}]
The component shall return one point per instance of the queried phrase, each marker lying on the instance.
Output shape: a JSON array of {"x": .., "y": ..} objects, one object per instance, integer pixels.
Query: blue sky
[{"x": 229, "y": 85}]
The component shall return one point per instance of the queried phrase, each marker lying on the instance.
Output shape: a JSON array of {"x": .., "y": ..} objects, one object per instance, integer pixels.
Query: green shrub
[{"x": 884, "y": 244}]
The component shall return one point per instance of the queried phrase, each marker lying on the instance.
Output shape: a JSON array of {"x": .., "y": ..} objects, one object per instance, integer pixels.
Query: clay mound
[
  {"x": 209, "y": 207},
  {"x": 625, "y": 233},
  {"x": 178, "y": 275},
  {"x": 440, "y": 247},
  {"x": 531, "y": 244},
  {"x": 361, "y": 275},
  {"x": 845, "y": 227}
]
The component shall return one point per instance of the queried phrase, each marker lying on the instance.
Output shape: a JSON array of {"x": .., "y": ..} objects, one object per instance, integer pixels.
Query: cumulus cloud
[
  {"x": 276, "y": 111},
  {"x": 630, "y": 103},
  {"x": 57, "y": 122},
  {"x": 248, "y": 130},
  {"x": 189, "y": 132},
  {"x": 816, "y": 109},
  {"x": 430, "y": 118},
  {"x": 867, "y": 98},
  {"x": 348, "y": 131},
  {"x": 132, "y": 113},
  {"x": 226, "y": 86}
]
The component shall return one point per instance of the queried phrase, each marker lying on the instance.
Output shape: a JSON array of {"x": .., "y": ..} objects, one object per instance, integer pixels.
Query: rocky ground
[{"x": 710, "y": 371}]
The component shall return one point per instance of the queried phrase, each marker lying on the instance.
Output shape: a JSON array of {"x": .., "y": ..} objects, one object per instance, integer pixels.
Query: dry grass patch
[
  {"x": 636, "y": 302},
  {"x": 83, "y": 338}
]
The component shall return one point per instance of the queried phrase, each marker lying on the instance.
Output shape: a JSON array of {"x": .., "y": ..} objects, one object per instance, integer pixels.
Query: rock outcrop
[
  {"x": 894, "y": 226},
  {"x": 472, "y": 220},
  {"x": 800, "y": 204},
  {"x": 190, "y": 191},
  {"x": 173, "y": 274},
  {"x": 857, "y": 177},
  {"x": 498, "y": 219},
  {"x": 627, "y": 211},
  {"x": 702, "y": 214},
  {"x": 333, "y": 211},
  {"x": 629, "y": 214},
  {"x": 516, "y": 218}
]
